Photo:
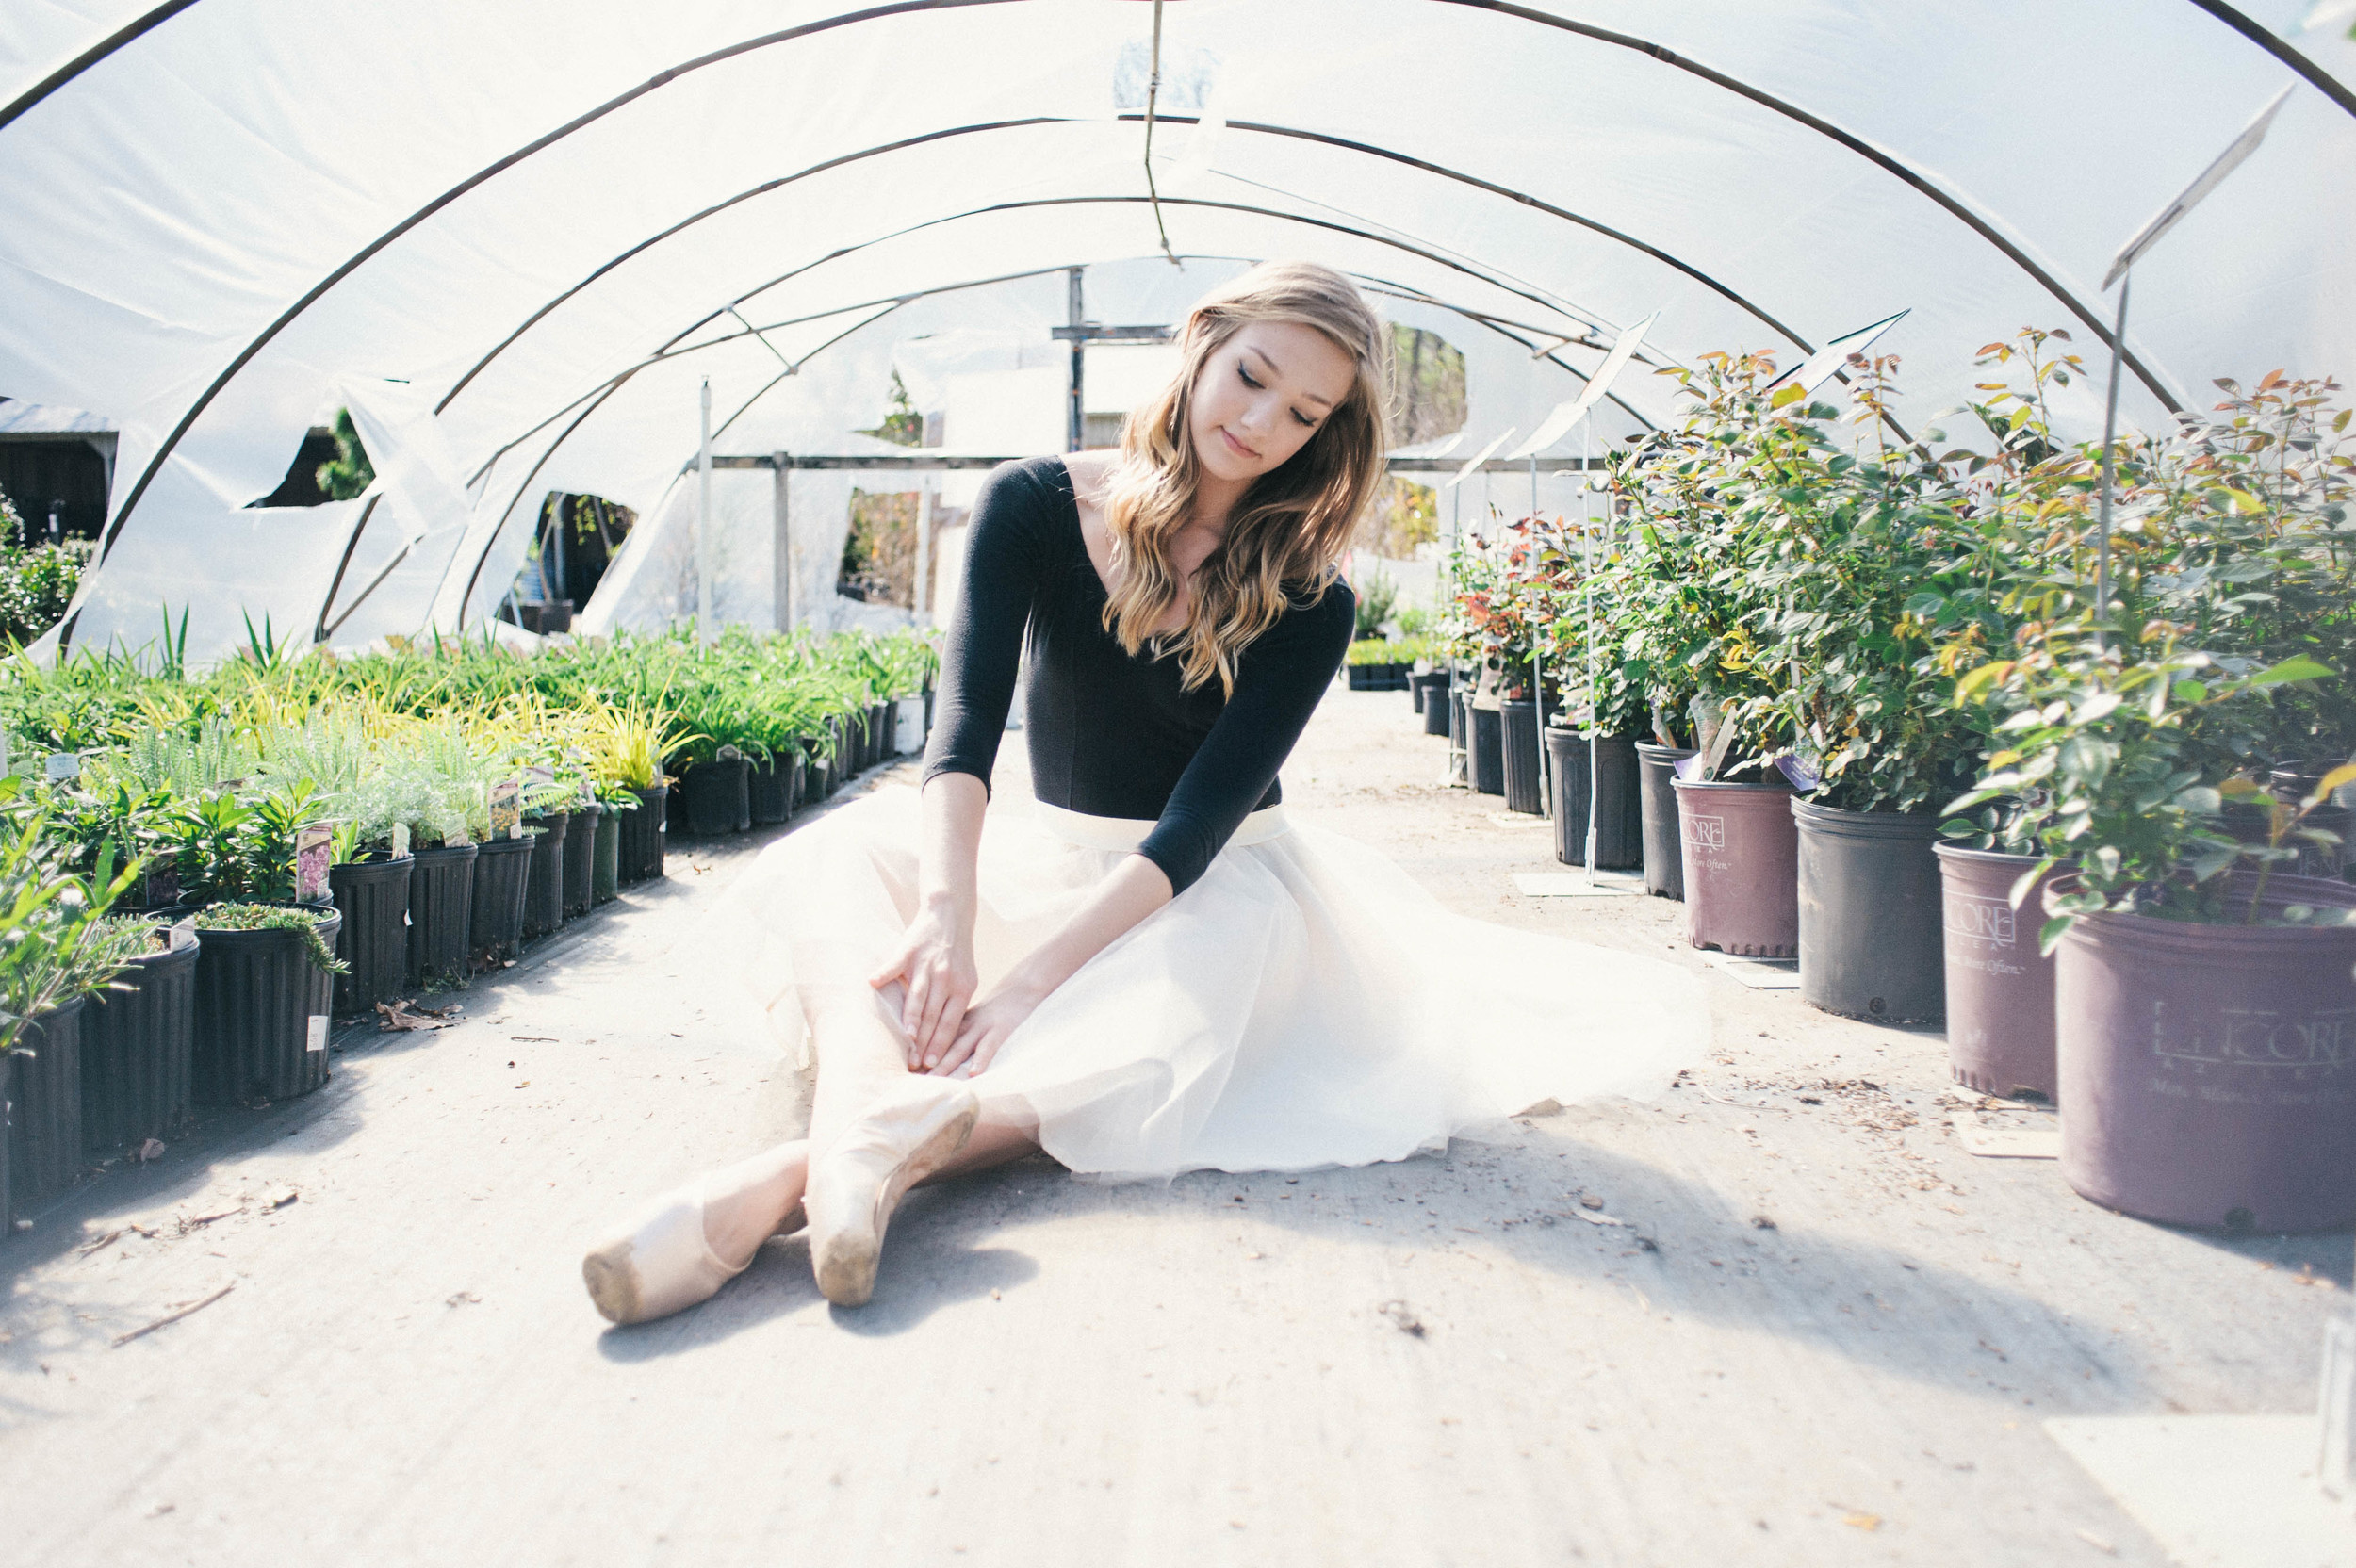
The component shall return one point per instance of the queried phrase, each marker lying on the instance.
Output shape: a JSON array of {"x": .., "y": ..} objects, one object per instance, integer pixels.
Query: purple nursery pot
[
  {"x": 2208, "y": 1072},
  {"x": 1999, "y": 992},
  {"x": 1742, "y": 863}
]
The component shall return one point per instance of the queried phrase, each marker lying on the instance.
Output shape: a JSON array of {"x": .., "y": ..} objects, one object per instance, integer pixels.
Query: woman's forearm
[
  {"x": 954, "y": 804},
  {"x": 1133, "y": 889}
]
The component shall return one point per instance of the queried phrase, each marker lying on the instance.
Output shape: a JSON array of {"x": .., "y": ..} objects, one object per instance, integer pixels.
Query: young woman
[{"x": 1147, "y": 969}]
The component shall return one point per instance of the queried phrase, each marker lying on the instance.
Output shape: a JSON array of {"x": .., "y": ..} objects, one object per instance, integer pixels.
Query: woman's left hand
[{"x": 988, "y": 1023}]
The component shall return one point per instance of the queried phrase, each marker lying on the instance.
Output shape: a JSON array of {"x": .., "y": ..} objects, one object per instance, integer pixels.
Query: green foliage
[
  {"x": 1378, "y": 597},
  {"x": 2122, "y": 737},
  {"x": 242, "y": 847},
  {"x": 348, "y": 473},
  {"x": 276, "y": 916},
  {"x": 904, "y": 425},
  {"x": 36, "y": 581},
  {"x": 54, "y": 943}
]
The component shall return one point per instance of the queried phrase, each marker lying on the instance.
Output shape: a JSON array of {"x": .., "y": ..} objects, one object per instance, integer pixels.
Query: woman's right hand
[{"x": 934, "y": 960}]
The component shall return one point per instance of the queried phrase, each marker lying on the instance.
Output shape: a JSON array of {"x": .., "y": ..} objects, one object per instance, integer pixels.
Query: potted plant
[
  {"x": 265, "y": 964},
  {"x": 1690, "y": 500},
  {"x": 440, "y": 786},
  {"x": 2202, "y": 988},
  {"x": 373, "y": 802},
  {"x": 138, "y": 1039},
  {"x": 55, "y": 947},
  {"x": 1865, "y": 553},
  {"x": 627, "y": 745},
  {"x": 1579, "y": 636}
]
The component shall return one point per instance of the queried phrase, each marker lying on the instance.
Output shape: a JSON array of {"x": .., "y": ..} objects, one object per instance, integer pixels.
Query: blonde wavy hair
[{"x": 1288, "y": 535}]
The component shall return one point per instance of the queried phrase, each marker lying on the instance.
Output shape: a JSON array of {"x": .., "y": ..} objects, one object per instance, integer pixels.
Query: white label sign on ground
[{"x": 1574, "y": 884}]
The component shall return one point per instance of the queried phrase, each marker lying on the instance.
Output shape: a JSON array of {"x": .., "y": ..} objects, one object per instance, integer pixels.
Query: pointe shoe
[
  {"x": 858, "y": 1181},
  {"x": 665, "y": 1263}
]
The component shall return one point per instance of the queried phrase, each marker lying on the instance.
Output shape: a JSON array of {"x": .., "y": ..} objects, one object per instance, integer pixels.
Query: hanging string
[{"x": 1153, "y": 91}]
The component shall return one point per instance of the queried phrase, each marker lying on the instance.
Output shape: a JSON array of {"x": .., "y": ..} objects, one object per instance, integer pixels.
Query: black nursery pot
[
  {"x": 543, "y": 893},
  {"x": 45, "y": 1153},
  {"x": 644, "y": 836},
  {"x": 1619, "y": 812},
  {"x": 441, "y": 913},
  {"x": 772, "y": 786},
  {"x": 502, "y": 883},
  {"x": 1664, "y": 853},
  {"x": 605, "y": 876},
  {"x": 7, "y": 1143},
  {"x": 1438, "y": 700},
  {"x": 1520, "y": 716},
  {"x": 581, "y": 859},
  {"x": 1487, "y": 728},
  {"x": 1872, "y": 939},
  {"x": 374, "y": 898},
  {"x": 882, "y": 723},
  {"x": 136, "y": 1044},
  {"x": 718, "y": 797},
  {"x": 261, "y": 1014}
]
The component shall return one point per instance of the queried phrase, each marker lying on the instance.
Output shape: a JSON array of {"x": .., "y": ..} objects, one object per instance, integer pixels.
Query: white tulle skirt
[{"x": 1303, "y": 1005}]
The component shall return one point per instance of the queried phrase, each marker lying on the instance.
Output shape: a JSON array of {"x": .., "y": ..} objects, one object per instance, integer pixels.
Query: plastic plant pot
[
  {"x": 1459, "y": 727},
  {"x": 46, "y": 1150},
  {"x": 771, "y": 786},
  {"x": 880, "y": 736},
  {"x": 1741, "y": 853},
  {"x": 1664, "y": 851},
  {"x": 503, "y": 887},
  {"x": 136, "y": 1044},
  {"x": 261, "y": 1014},
  {"x": 580, "y": 858},
  {"x": 1487, "y": 728},
  {"x": 374, "y": 938},
  {"x": 1871, "y": 945},
  {"x": 2206, "y": 1074},
  {"x": 1619, "y": 816},
  {"x": 719, "y": 796},
  {"x": 441, "y": 913},
  {"x": 7, "y": 1143},
  {"x": 1518, "y": 717},
  {"x": 643, "y": 837},
  {"x": 605, "y": 874},
  {"x": 544, "y": 895},
  {"x": 1436, "y": 702},
  {"x": 1999, "y": 992}
]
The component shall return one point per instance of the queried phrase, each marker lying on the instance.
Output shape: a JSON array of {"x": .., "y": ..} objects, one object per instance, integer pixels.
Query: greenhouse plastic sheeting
[{"x": 547, "y": 223}]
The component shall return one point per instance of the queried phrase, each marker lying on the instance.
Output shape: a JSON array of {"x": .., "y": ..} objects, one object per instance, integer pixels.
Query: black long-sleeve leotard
[{"x": 1111, "y": 735}]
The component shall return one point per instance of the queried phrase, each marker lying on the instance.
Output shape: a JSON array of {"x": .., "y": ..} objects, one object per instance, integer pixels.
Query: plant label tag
[
  {"x": 400, "y": 841},
  {"x": 64, "y": 765},
  {"x": 506, "y": 810},
  {"x": 316, "y": 1037},
  {"x": 315, "y": 850}
]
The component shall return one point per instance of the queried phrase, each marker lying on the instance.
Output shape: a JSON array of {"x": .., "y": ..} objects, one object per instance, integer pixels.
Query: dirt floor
[{"x": 1781, "y": 1316}]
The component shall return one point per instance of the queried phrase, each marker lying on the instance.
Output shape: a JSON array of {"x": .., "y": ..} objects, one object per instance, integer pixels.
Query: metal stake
[
  {"x": 2110, "y": 429},
  {"x": 703, "y": 520}
]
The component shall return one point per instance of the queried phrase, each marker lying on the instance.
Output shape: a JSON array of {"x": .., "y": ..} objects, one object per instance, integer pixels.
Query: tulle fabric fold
[{"x": 1304, "y": 1004}]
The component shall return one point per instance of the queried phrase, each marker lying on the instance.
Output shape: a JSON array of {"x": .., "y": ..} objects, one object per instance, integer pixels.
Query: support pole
[
  {"x": 782, "y": 535},
  {"x": 920, "y": 595},
  {"x": 1587, "y": 588},
  {"x": 1538, "y": 677},
  {"x": 2110, "y": 432},
  {"x": 1077, "y": 431},
  {"x": 703, "y": 519}
]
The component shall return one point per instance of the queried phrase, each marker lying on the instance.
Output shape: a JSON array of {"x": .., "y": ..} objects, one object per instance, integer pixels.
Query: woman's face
[{"x": 1262, "y": 394}]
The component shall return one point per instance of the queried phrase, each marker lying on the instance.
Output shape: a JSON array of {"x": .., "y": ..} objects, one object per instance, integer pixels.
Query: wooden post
[{"x": 781, "y": 534}]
